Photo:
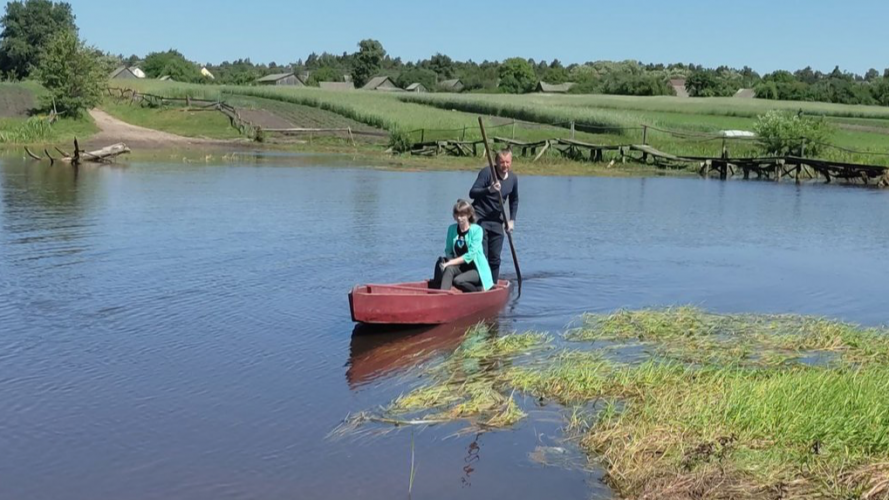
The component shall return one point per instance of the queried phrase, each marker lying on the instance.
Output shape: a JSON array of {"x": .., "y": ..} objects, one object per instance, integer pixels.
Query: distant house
[
  {"x": 206, "y": 72},
  {"x": 383, "y": 83},
  {"x": 166, "y": 78},
  {"x": 550, "y": 88},
  {"x": 454, "y": 85},
  {"x": 678, "y": 85},
  {"x": 127, "y": 73},
  {"x": 745, "y": 94},
  {"x": 337, "y": 85},
  {"x": 416, "y": 87},
  {"x": 281, "y": 79}
]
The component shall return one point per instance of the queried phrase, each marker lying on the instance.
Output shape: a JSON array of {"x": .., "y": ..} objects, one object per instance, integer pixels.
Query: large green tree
[
  {"x": 555, "y": 73},
  {"x": 517, "y": 76},
  {"x": 27, "y": 27},
  {"x": 173, "y": 64},
  {"x": 441, "y": 64},
  {"x": 368, "y": 61},
  {"x": 426, "y": 77},
  {"x": 72, "y": 73}
]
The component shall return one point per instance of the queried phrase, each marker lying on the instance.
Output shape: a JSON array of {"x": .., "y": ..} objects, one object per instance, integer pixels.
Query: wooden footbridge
[
  {"x": 775, "y": 168},
  {"x": 569, "y": 148},
  {"x": 794, "y": 167}
]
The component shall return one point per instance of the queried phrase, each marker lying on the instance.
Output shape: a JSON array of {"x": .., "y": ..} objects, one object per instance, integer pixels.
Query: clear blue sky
[{"x": 763, "y": 34}]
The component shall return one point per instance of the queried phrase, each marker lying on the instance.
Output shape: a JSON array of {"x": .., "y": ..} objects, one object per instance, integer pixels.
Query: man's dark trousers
[{"x": 492, "y": 245}]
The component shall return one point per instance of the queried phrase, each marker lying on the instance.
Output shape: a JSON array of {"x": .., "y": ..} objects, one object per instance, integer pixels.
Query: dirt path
[{"x": 112, "y": 130}]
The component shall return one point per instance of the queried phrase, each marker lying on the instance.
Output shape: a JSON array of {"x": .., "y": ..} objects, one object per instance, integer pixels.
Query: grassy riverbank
[{"x": 681, "y": 403}]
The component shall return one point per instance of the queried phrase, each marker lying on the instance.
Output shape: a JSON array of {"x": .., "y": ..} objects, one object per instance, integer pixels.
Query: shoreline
[{"x": 219, "y": 151}]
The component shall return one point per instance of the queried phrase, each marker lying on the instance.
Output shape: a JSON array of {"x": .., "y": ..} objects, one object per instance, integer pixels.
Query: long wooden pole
[{"x": 494, "y": 177}]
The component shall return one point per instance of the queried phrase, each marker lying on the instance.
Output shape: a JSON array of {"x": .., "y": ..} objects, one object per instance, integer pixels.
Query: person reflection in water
[{"x": 464, "y": 264}]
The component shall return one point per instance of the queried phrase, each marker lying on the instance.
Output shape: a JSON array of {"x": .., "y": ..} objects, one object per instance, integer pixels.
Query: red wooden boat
[{"x": 417, "y": 304}]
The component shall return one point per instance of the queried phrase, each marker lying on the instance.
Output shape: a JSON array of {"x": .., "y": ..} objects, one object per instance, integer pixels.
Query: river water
[{"x": 181, "y": 331}]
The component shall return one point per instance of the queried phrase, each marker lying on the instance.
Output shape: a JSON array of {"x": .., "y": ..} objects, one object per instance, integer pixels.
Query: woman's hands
[{"x": 452, "y": 262}]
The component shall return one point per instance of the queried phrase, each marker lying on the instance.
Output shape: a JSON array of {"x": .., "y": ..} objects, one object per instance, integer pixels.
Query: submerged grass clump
[
  {"x": 468, "y": 385},
  {"x": 643, "y": 325},
  {"x": 692, "y": 335}
]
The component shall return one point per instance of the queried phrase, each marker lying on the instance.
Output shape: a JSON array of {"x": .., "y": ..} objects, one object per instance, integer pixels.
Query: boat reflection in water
[{"x": 378, "y": 351}]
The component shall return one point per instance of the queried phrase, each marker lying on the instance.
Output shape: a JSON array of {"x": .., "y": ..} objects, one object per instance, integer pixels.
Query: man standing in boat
[{"x": 485, "y": 194}]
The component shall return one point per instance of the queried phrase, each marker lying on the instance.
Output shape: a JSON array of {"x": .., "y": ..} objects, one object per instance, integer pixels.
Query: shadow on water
[{"x": 384, "y": 350}]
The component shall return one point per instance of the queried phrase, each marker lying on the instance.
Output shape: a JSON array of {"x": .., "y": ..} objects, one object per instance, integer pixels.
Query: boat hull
[{"x": 416, "y": 304}]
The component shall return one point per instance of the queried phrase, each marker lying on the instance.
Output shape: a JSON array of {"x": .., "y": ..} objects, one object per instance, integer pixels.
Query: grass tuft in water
[
  {"x": 468, "y": 385},
  {"x": 644, "y": 325}
]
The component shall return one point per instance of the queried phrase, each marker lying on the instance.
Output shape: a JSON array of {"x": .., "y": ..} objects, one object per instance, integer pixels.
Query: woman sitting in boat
[{"x": 464, "y": 264}]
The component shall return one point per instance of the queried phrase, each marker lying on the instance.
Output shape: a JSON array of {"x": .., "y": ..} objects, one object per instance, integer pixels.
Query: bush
[
  {"x": 783, "y": 132},
  {"x": 400, "y": 140}
]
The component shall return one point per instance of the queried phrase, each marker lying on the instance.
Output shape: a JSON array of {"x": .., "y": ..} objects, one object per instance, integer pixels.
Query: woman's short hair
[{"x": 463, "y": 207}]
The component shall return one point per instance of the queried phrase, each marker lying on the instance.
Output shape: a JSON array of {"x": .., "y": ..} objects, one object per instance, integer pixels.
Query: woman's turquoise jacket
[{"x": 474, "y": 253}]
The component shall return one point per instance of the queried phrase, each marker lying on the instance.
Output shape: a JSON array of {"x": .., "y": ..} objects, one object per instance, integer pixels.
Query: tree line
[
  {"x": 518, "y": 75},
  {"x": 40, "y": 40}
]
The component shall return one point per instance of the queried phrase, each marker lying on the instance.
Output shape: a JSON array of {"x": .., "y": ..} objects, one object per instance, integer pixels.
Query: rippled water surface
[{"x": 181, "y": 331}]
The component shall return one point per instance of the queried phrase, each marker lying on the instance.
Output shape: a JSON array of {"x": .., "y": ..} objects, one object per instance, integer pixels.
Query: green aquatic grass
[
  {"x": 665, "y": 424},
  {"x": 646, "y": 324},
  {"x": 480, "y": 342},
  {"x": 465, "y": 386},
  {"x": 691, "y": 331},
  {"x": 769, "y": 427},
  {"x": 722, "y": 406}
]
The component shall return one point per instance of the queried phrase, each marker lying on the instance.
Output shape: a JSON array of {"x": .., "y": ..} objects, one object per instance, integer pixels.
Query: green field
[
  {"x": 675, "y": 125},
  {"x": 693, "y": 124},
  {"x": 299, "y": 115},
  {"x": 379, "y": 110}
]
